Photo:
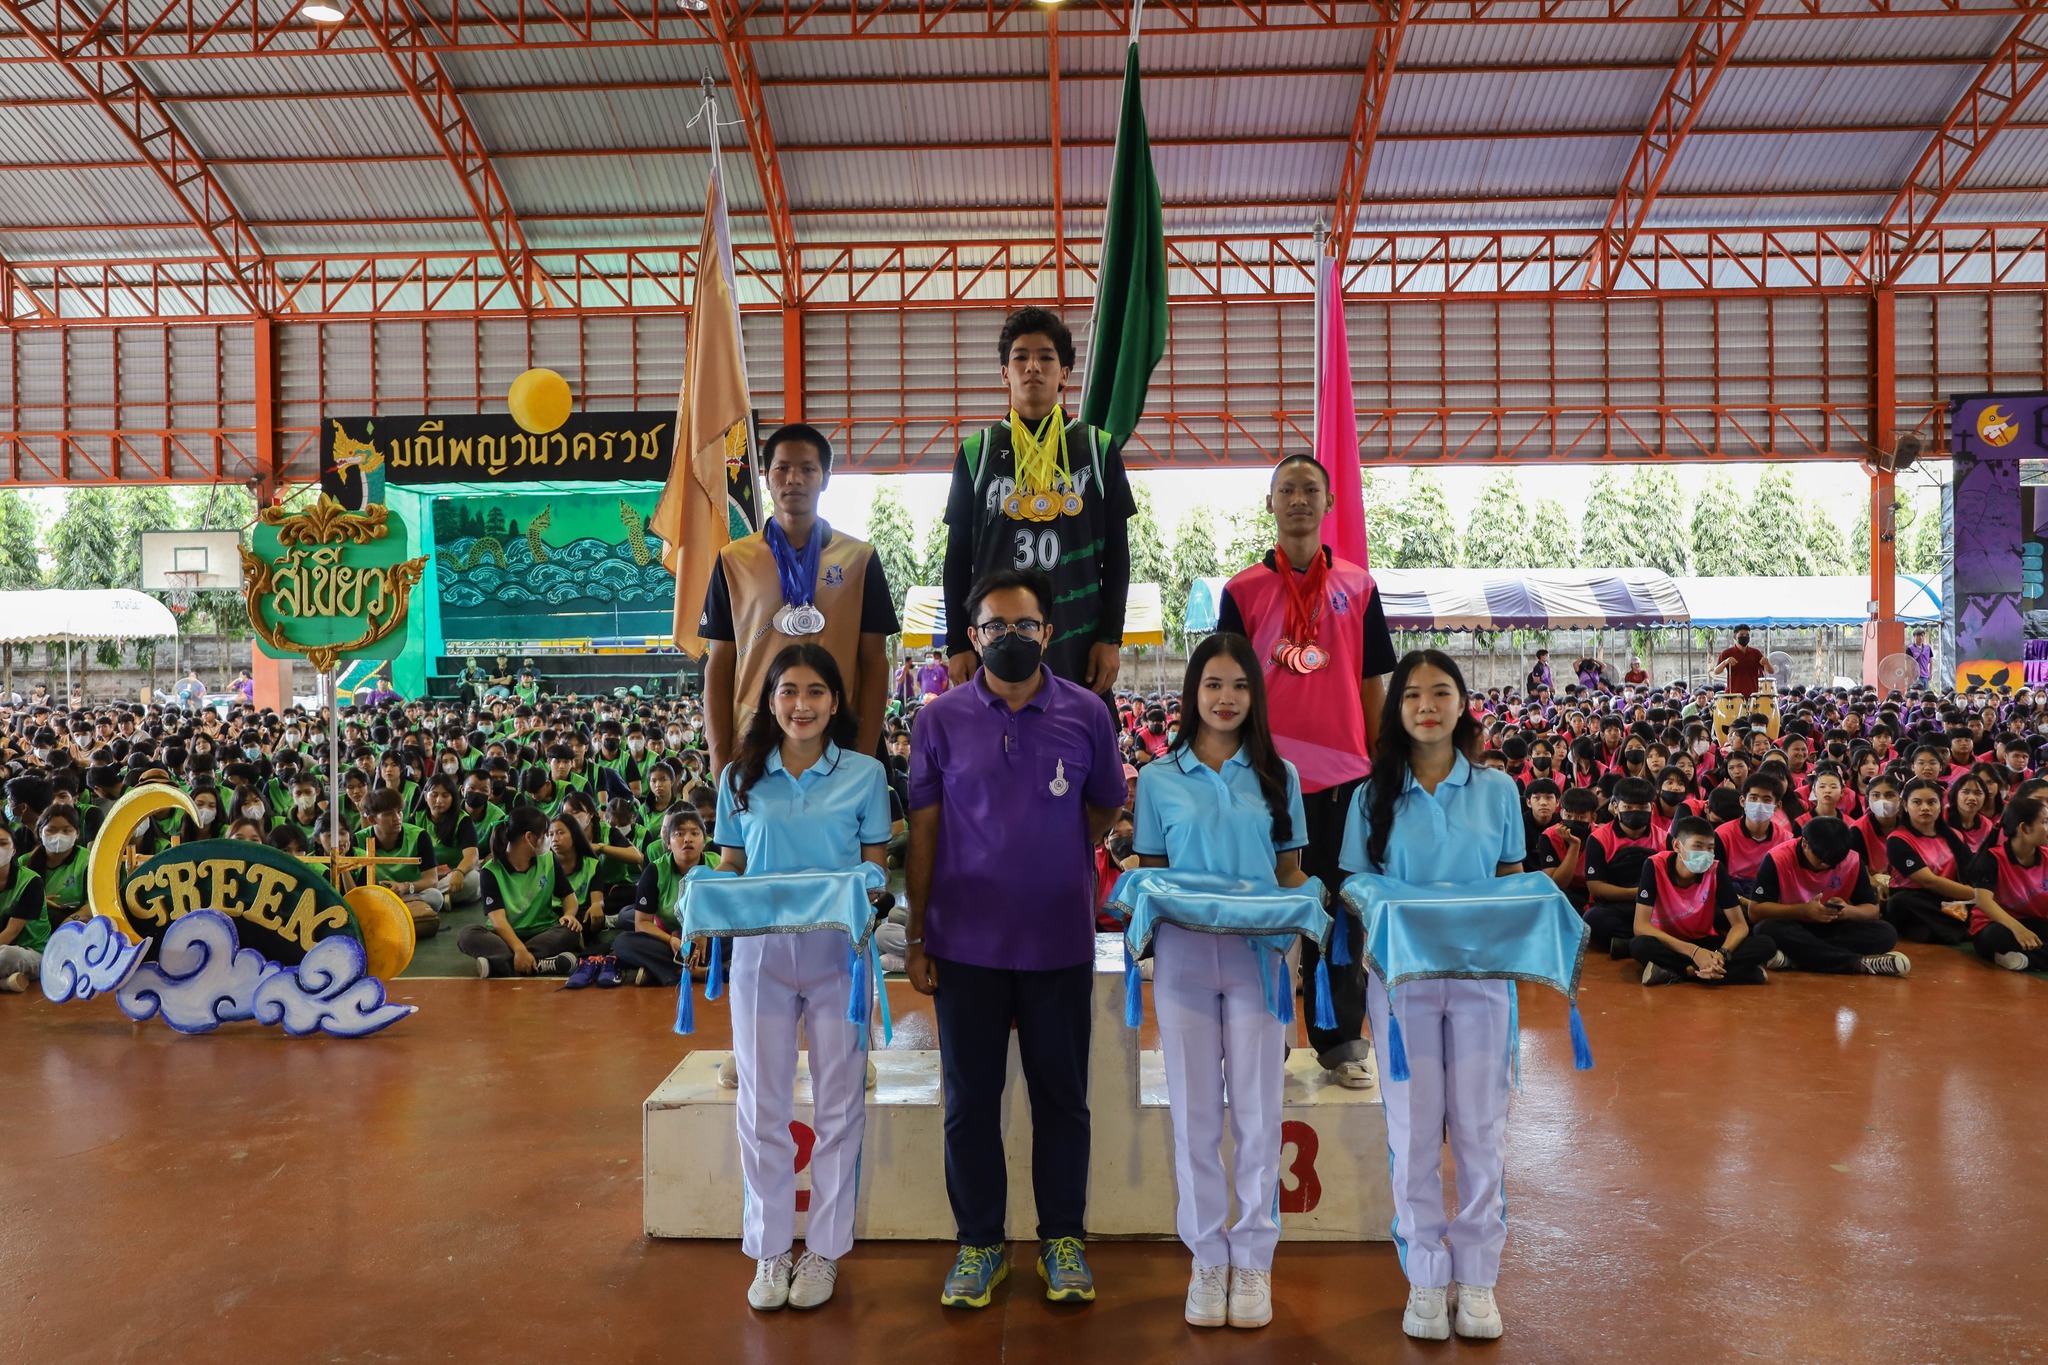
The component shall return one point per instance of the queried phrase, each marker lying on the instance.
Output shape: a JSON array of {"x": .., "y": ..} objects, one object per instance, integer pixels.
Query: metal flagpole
[
  {"x": 1316, "y": 346},
  {"x": 328, "y": 683}
]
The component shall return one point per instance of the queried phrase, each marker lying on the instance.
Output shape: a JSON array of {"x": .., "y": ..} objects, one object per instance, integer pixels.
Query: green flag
[{"x": 1129, "y": 336}]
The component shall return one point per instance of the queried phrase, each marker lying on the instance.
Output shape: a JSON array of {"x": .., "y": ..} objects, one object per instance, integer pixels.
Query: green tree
[
  {"x": 1247, "y": 535},
  {"x": 216, "y": 507},
  {"x": 1774, "y": 542},
  {"x": 1926, "y": 538},
  {"x": 1425, "y": 536},
  {"x": 1150, "y": 562},
  {"x": 1550, "y": 537},
  {"x": 1856, "y": 540},
  {"x": 895, "y": 540},
  {"x": 1194, "y": 556},
  {"x": 20, "y": 564},
  {"x": 1497, "y": 533},
  {"x": 1717, "y": 535},
  {"x": 1609, "y": 537},
  {"x": 1657, "y": 505},
  {"x": 91, "y": 545},
  {"x": 1824, "y": 542},
  {"x": 931, "y": 564}
]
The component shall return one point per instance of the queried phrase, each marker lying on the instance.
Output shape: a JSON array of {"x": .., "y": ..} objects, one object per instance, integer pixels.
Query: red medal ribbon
[{"x": 1304, "y": 595}]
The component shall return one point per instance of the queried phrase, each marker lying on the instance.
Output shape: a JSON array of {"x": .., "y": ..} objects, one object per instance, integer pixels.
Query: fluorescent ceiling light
[{"x": 322, "y": 14}]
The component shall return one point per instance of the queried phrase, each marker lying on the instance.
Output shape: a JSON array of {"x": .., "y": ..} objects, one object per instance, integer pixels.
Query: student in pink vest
[
  {"x": 1929, "y": 900},
  {"x": 1816, "y": 907},
  {"x": 2009, "y": 922},
  {"x": 1744, "y": 843},
  {"x": 1614, "y": 866},
  {"x": 1321, "y": 635},
  {"x": 1689, "y": 923}
]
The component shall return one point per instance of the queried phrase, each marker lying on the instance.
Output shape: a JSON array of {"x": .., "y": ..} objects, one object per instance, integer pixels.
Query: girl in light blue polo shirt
[
  {"x": 1429, "y": 814},
  {"x": 799, "y": 799},
  {"x": 1222, "y": 800}
]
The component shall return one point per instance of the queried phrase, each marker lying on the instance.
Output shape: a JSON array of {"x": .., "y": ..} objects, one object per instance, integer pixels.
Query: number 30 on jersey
[{"x": 1037, "y": 549}]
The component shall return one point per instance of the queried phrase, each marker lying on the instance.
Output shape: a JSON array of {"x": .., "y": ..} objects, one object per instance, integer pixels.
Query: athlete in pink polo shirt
[{"x": 1319, "y": 629}]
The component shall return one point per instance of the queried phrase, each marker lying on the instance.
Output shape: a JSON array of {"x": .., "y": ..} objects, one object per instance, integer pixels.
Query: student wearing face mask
[
  {"x": 1816, "y": 907},
  {"x": 60, "y": 861},
  {"x": 25, "y": 924},
  {"x": 205, "y": 822},
  {"x": 1560, "y": 853},
  {"x": 1744, "y": 843},
  {"x": 1672, "y": 805},
  {"x": 1689, "y": 921},
  {"x": 1614, "y": 866},
  {"x": 483, "y": 813}
]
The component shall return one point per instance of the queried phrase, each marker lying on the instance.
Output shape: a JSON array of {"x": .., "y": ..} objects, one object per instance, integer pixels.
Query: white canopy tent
[
  {"x": 50, "y": 614},
  {"x": 924, "y": 617}
]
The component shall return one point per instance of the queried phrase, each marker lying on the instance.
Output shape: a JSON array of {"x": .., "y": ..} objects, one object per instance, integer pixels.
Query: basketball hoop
[{"x": 181, "y": 585}]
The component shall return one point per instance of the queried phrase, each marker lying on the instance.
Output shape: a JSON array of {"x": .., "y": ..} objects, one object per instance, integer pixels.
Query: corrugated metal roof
[
  {"x": 1822, "y": 96},
  {"x": 1766, "y": 211},
  {"x": 101, "y": 243},
  {"x": 570, "y": 121},
  {"x": 233, "y": 75},
  {"x": 1278, "y": 107},
  {"x": 1761, "y": 163},
  {"x": 272, "y": 128},
  {"x": 1480, "y": 104},
  {"x": 399, "y": 190},
  {"x": 100, "y": 196},
  {"x": 678, "y": 64},
  {"x": 907, "y": 179},
  {"x": 1913, "y": 38},
  {"x": 2016, "y": 159},
  {"x": 907, "y": 113},
  {"x": 1466, "y": 44},
  {"x": 602, "y": 184},
  {"x": 1478, "y": 167},
  {"x": 61, "y": 133}
]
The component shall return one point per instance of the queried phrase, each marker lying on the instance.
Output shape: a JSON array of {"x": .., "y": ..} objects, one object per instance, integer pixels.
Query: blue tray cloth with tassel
[
  {"x": 1516, "y": 928},
  {"x": 718, "y": 905},
  {"x": 1268, "y": 917}
]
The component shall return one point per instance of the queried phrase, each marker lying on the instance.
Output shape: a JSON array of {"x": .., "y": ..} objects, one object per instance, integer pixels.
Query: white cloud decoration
[
  {"x": 204, "y": 978},
  {"x": 85, "y": 958},
  {"x": 328, "y": 993}
]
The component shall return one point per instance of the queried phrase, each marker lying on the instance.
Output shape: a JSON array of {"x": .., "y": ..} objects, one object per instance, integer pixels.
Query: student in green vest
[
  {"x": 60, "y": 861},
  {"x": 650, "y": 948},
  {"x": 302, "y": 813},
  {"x": 355, "y": 790},
  {"x": 619, "y": 858},
  {"x": 530, "y": 927},
  {"x": 655, "y": 805},
  {"x": 412, "y": 880},
  {"x": 392, "y": 775},
  {"x": 205, "y": 823},
  {"x": 483, "y": 812},
  {"x": 455, "y": 840},
  {"x": 578, "y": 861},
  {"x": 24, "y": 923}
]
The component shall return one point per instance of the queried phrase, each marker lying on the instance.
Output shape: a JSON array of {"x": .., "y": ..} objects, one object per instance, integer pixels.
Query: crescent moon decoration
[{"x": 103, "y": 872}]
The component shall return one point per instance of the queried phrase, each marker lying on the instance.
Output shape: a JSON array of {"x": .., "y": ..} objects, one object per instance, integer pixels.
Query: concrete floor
[{"x": 1819, "y": 1170}]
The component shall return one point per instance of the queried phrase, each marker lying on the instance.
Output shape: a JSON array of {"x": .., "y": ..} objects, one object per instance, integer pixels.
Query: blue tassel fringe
[
  {"x": 1582, "y": 1049},
  {"x": 714, "y": 979},
  {"x": 881, "y": 994},
  {"x": 1340, "y": 943},
  {"x": 857, "y": 997},
  {"x": 1326, "y": 1012},
  {"x": 686, "y": 1008},
  {"x": 1134, "y": 999},
  {"x": 1397, "y": 1051}
]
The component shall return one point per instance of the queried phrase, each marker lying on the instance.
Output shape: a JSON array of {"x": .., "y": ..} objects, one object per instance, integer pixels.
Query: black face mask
[
  {"x": 1119, "y": 848},
  {"x": 1632, "y": 755},
  {"x": 1634, "y": 821},
  {"x": 475, "y": 800},
  {"x": 1742, "y": 639},
  {"x": 1012, "y": 659},
  {"x": 1541, "y": 763},
  {"x": 1579, "y": 829},
  {"x": 1670, "y": 798}
]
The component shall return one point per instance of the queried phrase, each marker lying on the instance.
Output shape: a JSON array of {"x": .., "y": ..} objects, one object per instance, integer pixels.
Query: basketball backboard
[{"x": 191, "y": 561}]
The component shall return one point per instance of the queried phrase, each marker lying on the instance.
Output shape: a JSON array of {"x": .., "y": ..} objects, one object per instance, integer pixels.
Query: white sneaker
[
  {"x": 1478, "y": 1314},
  {"x": 1356, "y": 1075},
  {"x": 1894, "y": 963},
  {"x": 811, "y": 1285},
  {"x": 1208, "y": 1296},
  {"x": 1425, "y": 1317},
  {"x": 1778, "y": 963},
  {"x": 17, "y": 982},
  {"x": 871, "y": 1074},
  {"x": 2012, "y": 962},
  {"x": 1251, "y": 1297},
  {"x": 729, "y": 1072},
  {"x": 770, "y": 1289}
]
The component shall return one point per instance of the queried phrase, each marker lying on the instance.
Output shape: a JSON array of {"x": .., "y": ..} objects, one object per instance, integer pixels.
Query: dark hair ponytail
[
  {"x": 519, "y": 822},
  {"x": 764, "y": 732},
  {"x": 1390, "y": 755},
  {"x": 1256, "y": 734}
]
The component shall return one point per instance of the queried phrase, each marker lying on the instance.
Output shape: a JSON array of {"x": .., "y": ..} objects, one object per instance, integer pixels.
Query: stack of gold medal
[{"x": 1045, "y": 481}]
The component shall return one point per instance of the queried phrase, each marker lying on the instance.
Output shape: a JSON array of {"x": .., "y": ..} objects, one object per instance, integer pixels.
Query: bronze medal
[{"x": 1308, "y": 658}]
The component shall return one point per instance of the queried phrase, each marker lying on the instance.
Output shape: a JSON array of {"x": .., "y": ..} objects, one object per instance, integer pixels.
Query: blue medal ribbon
[{"x": 798, "y": 569}]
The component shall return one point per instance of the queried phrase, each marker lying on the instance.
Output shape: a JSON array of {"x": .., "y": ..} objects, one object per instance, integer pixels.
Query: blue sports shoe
[
  {"x": 608, "y": 973},
  {"x": 1064, "y": 1267},
  {"x": 976, "y": 1273},
  {"x": 583, "y": 975}
]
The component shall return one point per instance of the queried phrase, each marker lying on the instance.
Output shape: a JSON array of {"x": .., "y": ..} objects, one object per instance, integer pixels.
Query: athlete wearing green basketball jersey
[{"x": 1043, "y": 493}]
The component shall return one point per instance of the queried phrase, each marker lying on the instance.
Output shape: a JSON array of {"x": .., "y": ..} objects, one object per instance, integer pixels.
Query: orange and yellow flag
[{"x": 711, "y": 416}]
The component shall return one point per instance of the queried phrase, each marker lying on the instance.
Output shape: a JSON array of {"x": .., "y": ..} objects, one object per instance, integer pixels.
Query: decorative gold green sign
[{"x": 329, "y": 584}]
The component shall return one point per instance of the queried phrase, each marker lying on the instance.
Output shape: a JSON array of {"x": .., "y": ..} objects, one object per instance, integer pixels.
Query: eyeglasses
[{"x": 1030, "y": 628}]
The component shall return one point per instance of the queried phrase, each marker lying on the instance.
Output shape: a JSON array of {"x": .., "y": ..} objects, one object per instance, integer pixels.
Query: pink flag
[{"x": 1337, "y": 419}]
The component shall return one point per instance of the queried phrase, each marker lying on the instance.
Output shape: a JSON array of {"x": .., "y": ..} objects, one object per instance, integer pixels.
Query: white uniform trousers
[
  {"x": 777, "y": 981},
  {"x": 1217, "y": 1034},
  {"x": 1456, "y": 1036}
]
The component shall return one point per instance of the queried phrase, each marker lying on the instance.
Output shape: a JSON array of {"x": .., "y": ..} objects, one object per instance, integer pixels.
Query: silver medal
[{"x": 800, "y": 620}]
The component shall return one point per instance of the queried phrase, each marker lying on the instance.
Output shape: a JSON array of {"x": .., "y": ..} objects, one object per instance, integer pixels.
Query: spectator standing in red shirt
[
  {"x": 1742, "y": 663},
  {"x": 1637, "y": 674}
]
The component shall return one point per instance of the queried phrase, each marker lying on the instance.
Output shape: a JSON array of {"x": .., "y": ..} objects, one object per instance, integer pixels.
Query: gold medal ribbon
[{"x": 1043, "y": 470}]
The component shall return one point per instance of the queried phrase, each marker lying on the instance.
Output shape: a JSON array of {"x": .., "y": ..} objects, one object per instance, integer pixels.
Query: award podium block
[{"x": 1333, "y": 1178}]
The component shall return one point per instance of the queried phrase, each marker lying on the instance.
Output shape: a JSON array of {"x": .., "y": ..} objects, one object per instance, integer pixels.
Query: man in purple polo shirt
[{"x": 1014, "y": 778}]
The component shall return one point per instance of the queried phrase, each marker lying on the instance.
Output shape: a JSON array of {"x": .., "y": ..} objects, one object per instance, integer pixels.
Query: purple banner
[{"x": 1991, "y": 434}]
